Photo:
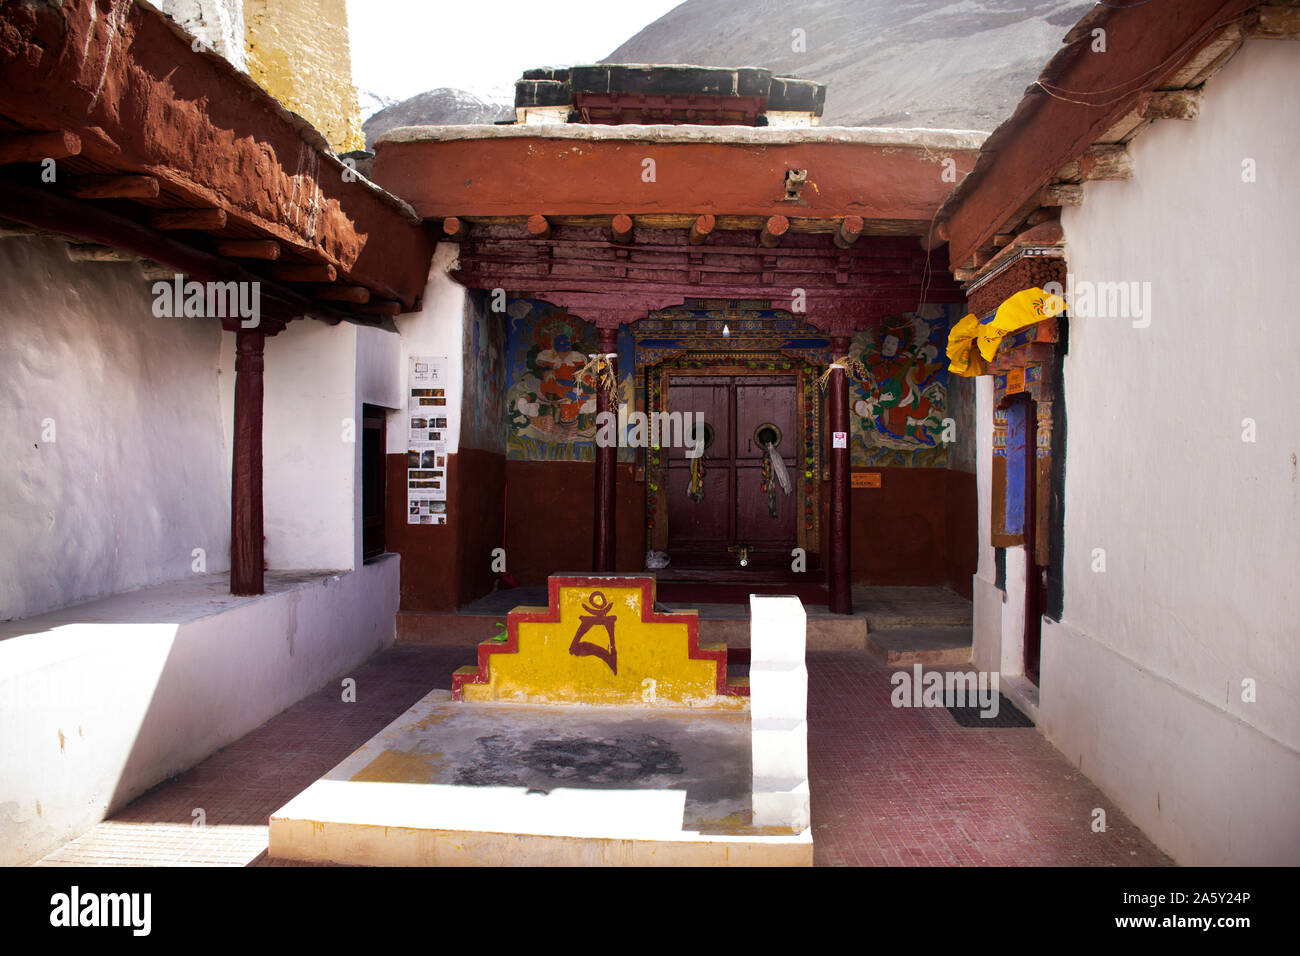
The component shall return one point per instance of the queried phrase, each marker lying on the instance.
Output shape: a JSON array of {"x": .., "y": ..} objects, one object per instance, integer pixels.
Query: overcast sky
[{"x": 404, "y": 47}]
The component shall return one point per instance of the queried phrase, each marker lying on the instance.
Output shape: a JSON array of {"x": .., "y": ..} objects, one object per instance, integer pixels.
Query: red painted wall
[
  {"x": 918, "y": 528},
  {"x": 447, "y": 566},
  {"x": 961, "y": 527},
  {"x": 550, "y": 520}
]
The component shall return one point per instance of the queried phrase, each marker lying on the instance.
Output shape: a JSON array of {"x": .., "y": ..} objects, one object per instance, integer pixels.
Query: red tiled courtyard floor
[{"x": 890, "y": 786}]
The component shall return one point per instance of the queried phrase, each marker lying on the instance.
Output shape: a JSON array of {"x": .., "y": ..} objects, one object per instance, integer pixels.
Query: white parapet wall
[
  {"x": 101, "y": 701},
  {"x": 778, "y": 710}
]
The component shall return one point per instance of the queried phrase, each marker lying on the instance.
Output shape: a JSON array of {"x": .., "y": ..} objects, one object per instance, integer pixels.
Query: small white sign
[{"x": 839, "y": 439}]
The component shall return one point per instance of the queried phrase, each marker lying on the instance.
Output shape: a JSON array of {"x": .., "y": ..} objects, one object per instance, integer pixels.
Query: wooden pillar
[
  {"x": 837, "y": 422},
  {"x": 246, "y": 552},
  {"x": 605, "y": 504}
]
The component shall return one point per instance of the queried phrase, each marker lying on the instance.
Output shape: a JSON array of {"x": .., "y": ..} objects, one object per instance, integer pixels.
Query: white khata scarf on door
[{"x": 774, "y": 468}]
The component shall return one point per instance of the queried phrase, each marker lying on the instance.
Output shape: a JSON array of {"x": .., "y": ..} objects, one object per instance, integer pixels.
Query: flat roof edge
[{"x": 743, "y": 135}]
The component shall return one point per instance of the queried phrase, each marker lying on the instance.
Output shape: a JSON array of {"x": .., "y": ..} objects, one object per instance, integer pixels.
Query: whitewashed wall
[
  {"x": 438, "y": 329},
  {"x": 161, "y": 666},
  {"x": 309, "y": 446},
  {"x": 137, "y": 476},
  {"x": 217, "y": 23},
  {"x": 1142, "y": 680},
  {"x": 987, "y": 597}
]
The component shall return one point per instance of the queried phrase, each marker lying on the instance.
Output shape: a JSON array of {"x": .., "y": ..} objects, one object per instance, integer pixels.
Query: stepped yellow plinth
[{"x": 599, "y": 641}]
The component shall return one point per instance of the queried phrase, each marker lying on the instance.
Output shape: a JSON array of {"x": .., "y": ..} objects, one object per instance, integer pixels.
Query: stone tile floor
[{"x": 891, "y": 786}]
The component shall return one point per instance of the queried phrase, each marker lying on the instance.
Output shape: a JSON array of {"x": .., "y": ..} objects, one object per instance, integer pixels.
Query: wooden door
[
  {"x": 734, "y": 509},
  {"x": 700, "y": 526},
  {"x": 768, "y": 406}
]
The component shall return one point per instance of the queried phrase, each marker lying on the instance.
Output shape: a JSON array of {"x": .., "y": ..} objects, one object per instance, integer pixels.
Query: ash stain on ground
[{"x": 592, "y": 761}]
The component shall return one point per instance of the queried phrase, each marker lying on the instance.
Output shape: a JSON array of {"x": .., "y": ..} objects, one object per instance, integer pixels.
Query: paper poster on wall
[{"x": 426, "y": 449}]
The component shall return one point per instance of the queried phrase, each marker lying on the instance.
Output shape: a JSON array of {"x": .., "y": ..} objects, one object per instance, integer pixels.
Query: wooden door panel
[
  {"x": 713, "y": 398},
  {"x": 769, "y": 402},
  {"x": 754, "y": 524},
  {"x": 702, "y": 525}
]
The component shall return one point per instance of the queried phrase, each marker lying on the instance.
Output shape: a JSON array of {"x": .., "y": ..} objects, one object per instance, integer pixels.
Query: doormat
[
  {"x": 682, "y": 592},
  {"x": 1008, "y": 716}
]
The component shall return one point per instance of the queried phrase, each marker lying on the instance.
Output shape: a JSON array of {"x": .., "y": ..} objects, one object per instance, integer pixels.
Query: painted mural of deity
[
  {"x": 548, "y": 415},
  {"x": 899, "y": 413}
]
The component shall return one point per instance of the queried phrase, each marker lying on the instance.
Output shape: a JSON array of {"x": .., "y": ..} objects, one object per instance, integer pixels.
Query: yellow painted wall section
[
  {"x": 649, "y": 664},
  {"x": 298, "y": 51}
]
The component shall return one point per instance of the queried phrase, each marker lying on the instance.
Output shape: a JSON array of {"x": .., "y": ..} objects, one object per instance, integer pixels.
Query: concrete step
[
  {"x": 832, "y": 632},
  {"x": 905, "y": 646},
  {"x": 911, "y": 607},
  {"x": 446, "y": 628}
]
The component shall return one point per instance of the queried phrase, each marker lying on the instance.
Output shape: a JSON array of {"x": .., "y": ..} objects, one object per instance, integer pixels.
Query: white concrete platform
[
  {"x": 486, "y": 784},
  {"x": 103, "y": 700}
]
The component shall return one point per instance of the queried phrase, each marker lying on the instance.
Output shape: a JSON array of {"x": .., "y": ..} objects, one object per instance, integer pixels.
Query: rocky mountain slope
[
  {"x": 924, "y": 63},
  {"x": 946, "y": 64},
  {"x": 435, "y": 108}
]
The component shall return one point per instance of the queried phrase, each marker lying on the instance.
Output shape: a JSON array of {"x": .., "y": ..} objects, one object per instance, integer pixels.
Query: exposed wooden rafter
[
  {"x": 204, "y": 220},
  {"x": 114, "y": 187},
  {"x": 1072, "y": 121},
  {"x": 301, "y": 203},
  {"x": 38, "y": 147},
  {"x": 773, "y": 231},
  {"x": 265, "y": 249}
]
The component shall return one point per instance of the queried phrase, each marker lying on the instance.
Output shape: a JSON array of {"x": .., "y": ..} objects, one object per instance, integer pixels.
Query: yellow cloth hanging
[
  {"x": 963, "y": 357},
  {"x": 1021, "y": 310}
]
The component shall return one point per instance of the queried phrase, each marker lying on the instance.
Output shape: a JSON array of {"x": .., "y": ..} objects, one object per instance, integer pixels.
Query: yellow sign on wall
[{"x": 600, "y": 642}]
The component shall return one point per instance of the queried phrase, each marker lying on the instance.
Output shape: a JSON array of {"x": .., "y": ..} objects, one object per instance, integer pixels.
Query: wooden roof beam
[
  {"x": 848, "y": 231},
  {"x": 1148, "y": 45},
  {"x": 701, "y": 228},
  {"x": 539, "y": 227},
  {"x": 356, "y": 294},
  {"x": 88, "y": 252},
  {"x": 114, "y": 187},
  {"x": 65, "y": 67},
  {"x": 622, "y": 229},
  {"x": 1173, "y": 104},
  {"x": 1109, "y": 162},
  {"x": 773, "y": 231},
  {"x": 1061, "y": 194},
  {"x": 1273, "y": 22},
  {"x": 204, "y": 220},
  {"x": 43, "y": 209},
  {"x": 266, "y": 249},
  {"x": 37, "y": 147},
  {"x": 294, "y": 272}
]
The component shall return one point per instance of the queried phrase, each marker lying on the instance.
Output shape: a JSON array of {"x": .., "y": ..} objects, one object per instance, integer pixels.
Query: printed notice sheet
[{"x": 426, "y": 449}]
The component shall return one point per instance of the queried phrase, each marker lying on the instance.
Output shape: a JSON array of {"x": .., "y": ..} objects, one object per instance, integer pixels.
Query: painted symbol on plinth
[{"x": 596, "y": 616}]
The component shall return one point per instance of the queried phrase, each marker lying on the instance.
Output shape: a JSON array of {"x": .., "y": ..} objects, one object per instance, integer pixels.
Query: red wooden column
[
  {"x": 246, "y": 557},
  {"x": 837, "y": 421},
  {"x": 603, "y": 523}
]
